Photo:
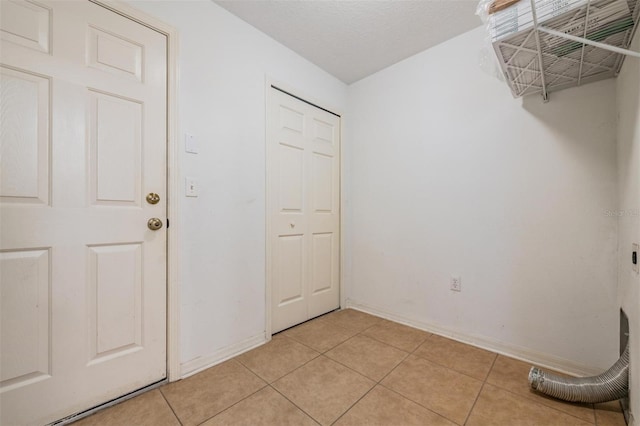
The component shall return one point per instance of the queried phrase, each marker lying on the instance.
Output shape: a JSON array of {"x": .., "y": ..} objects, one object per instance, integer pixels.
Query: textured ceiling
[{"x": 352, "y": 39}]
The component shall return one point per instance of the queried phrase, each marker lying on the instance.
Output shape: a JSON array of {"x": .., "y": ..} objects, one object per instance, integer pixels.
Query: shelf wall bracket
[
  {"x": 545, "y": 95},
  {"x": 584, "y": 35}
]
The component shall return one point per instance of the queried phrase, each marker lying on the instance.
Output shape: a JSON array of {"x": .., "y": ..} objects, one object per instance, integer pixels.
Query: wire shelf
[{"x": 535, "y": 61}]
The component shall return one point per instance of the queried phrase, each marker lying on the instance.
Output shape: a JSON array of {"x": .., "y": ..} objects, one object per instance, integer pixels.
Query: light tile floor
[{"x": 350, "y": 368}]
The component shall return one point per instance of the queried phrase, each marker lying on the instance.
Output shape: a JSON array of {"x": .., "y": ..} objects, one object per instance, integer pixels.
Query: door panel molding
[
  {"x": 173, "y": 185},
  {"x": 321, "y": 146},
  {"x": 100, "y": 256}
]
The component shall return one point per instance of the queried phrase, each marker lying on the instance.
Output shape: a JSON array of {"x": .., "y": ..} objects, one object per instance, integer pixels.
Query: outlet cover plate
[{"x": 456, "y": 284}]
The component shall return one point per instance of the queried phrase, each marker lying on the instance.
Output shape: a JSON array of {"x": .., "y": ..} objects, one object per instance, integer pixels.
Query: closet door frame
[{"x": 270, "y": 83}]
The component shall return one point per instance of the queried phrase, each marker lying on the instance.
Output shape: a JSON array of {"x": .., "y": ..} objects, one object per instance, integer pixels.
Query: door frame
[
  {"x": 269, "y": 82},
  {"x": 173, "y": 188}
]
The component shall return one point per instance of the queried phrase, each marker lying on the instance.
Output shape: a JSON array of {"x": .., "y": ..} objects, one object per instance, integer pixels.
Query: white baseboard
[
  {"x": 198, "y": 364},
  {"x": 514, "y": 351}
]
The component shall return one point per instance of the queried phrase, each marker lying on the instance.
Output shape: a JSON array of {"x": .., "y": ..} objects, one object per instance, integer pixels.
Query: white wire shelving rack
[{"x": 547, "y": 57}]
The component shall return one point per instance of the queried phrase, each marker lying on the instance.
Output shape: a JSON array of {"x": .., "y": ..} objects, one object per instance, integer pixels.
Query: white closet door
[
  {"x": 304, "y": 208},
  {"x": 82, "y": 281}
]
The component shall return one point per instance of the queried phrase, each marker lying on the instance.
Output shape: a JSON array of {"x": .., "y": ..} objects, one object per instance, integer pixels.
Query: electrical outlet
[{"x": 456, "y": 284}]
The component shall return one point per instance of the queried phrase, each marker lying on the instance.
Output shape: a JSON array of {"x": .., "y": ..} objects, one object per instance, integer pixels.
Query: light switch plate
[
  {"x": 191, "y": 187},
  {"x": 634, "y": 249},
  {"x": 190, "y": 143}
]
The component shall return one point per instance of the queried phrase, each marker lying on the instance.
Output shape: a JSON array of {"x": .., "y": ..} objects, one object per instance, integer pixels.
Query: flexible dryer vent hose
[{"x": 611, "y": 385}]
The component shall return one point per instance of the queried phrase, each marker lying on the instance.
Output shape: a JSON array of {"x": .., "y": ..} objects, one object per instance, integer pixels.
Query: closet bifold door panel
[{"x": 303, "y": 194}]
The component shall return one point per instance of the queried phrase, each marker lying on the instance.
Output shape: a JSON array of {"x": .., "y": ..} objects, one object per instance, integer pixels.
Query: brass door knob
[
  {"x": 153, "y": 198},
  {"x": 154, "y": 224}
]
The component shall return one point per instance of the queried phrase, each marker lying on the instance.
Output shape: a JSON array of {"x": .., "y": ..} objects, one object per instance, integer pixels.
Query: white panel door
[
  {"x": 82, "y": 277},
  {"x": 304, "y": 208}
]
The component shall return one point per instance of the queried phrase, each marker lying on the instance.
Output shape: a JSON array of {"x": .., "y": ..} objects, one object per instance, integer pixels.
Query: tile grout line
[
  {"x": 536, "y": 401},
  {"x": 442, "y": 366},
  {"x": 417, "y": 403},
  {"x": 327, "y": 322},
  {"x": 475, "y": 401},
  {"x": 232, "y": 405},
  {"x": 493, "y": 363},
  {"x": 453, "y": 369},
  {"x": 386, "y": 343},
  {"x": 289, "y": 372},
  {"x": 325, "y": 351},
  {"x": 408, "y": 398},
  {"x": 296, "y": 369},
  {"x": 352, "y": 405},
  {"x": 376, "y": 383},
  {"x": 484, "y": 382},
  {"x": 170, "y": 407},
  {"x": 379, "y": 382},
  {"x": 270, "y": 384},
  {"x": 357, "y": 333},
  {"x": 242, "y": 399},
  {"x": 294, "y": 404},
  {"x": 394, "y": 368}
]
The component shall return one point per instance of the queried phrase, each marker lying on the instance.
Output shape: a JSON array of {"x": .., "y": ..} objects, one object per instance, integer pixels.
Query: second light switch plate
[{"x": 190, "y": 143}]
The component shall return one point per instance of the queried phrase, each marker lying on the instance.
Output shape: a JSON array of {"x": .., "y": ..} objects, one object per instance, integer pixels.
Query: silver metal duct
[{"x": 611, "y": 385}]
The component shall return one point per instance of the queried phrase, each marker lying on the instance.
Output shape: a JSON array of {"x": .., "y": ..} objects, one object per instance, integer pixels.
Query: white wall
[
  {"x": 448, "y": 174},
  {"x": 445, "y": 174},
  {"x": 628, "y": 106},
  {"x": 223, "y": 64}
]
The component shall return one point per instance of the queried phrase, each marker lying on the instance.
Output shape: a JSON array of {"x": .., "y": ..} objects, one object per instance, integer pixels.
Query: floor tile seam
[
  {"x": 306, "y": 345},
  {"x": 233, "y": 405},
  {"x": 419, "y": 403},
  {"x": 395, "y": 367},
  {"x": 352, "y": 369},
  {"x": 493, "y": 364},
  {"x": 410, "y": 399},
  {"x": 353, "y": 405},
  {"x": 486, "y": 380},
  {"x": 361, "y": 333},
  {"x": 170, "y": 406},
  {"x": 475, "y": 401},
  {"x": 534, "y": 400},
  {"x": 364, "y": 329},
  {"x": 294, "y": 370},
  {"x": 423, "y": 342},
  {"x": 386, "y": 343},
  {"x": 250, "y": 371},
  {"x": 287, "y": 373},
  {"x": 453, "y": 369},
  {"x": 369, "y": 337},
  {"x": 322, "y": 352},
  {"x": 294, "y": 404},
  {"x": 265, "y": 384},
  {"x": 301, "y": 343},
  {"x": 333, "y": 323},
  {"x": 334, "y": 346},
  {"x": 596, "y": 417}
]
